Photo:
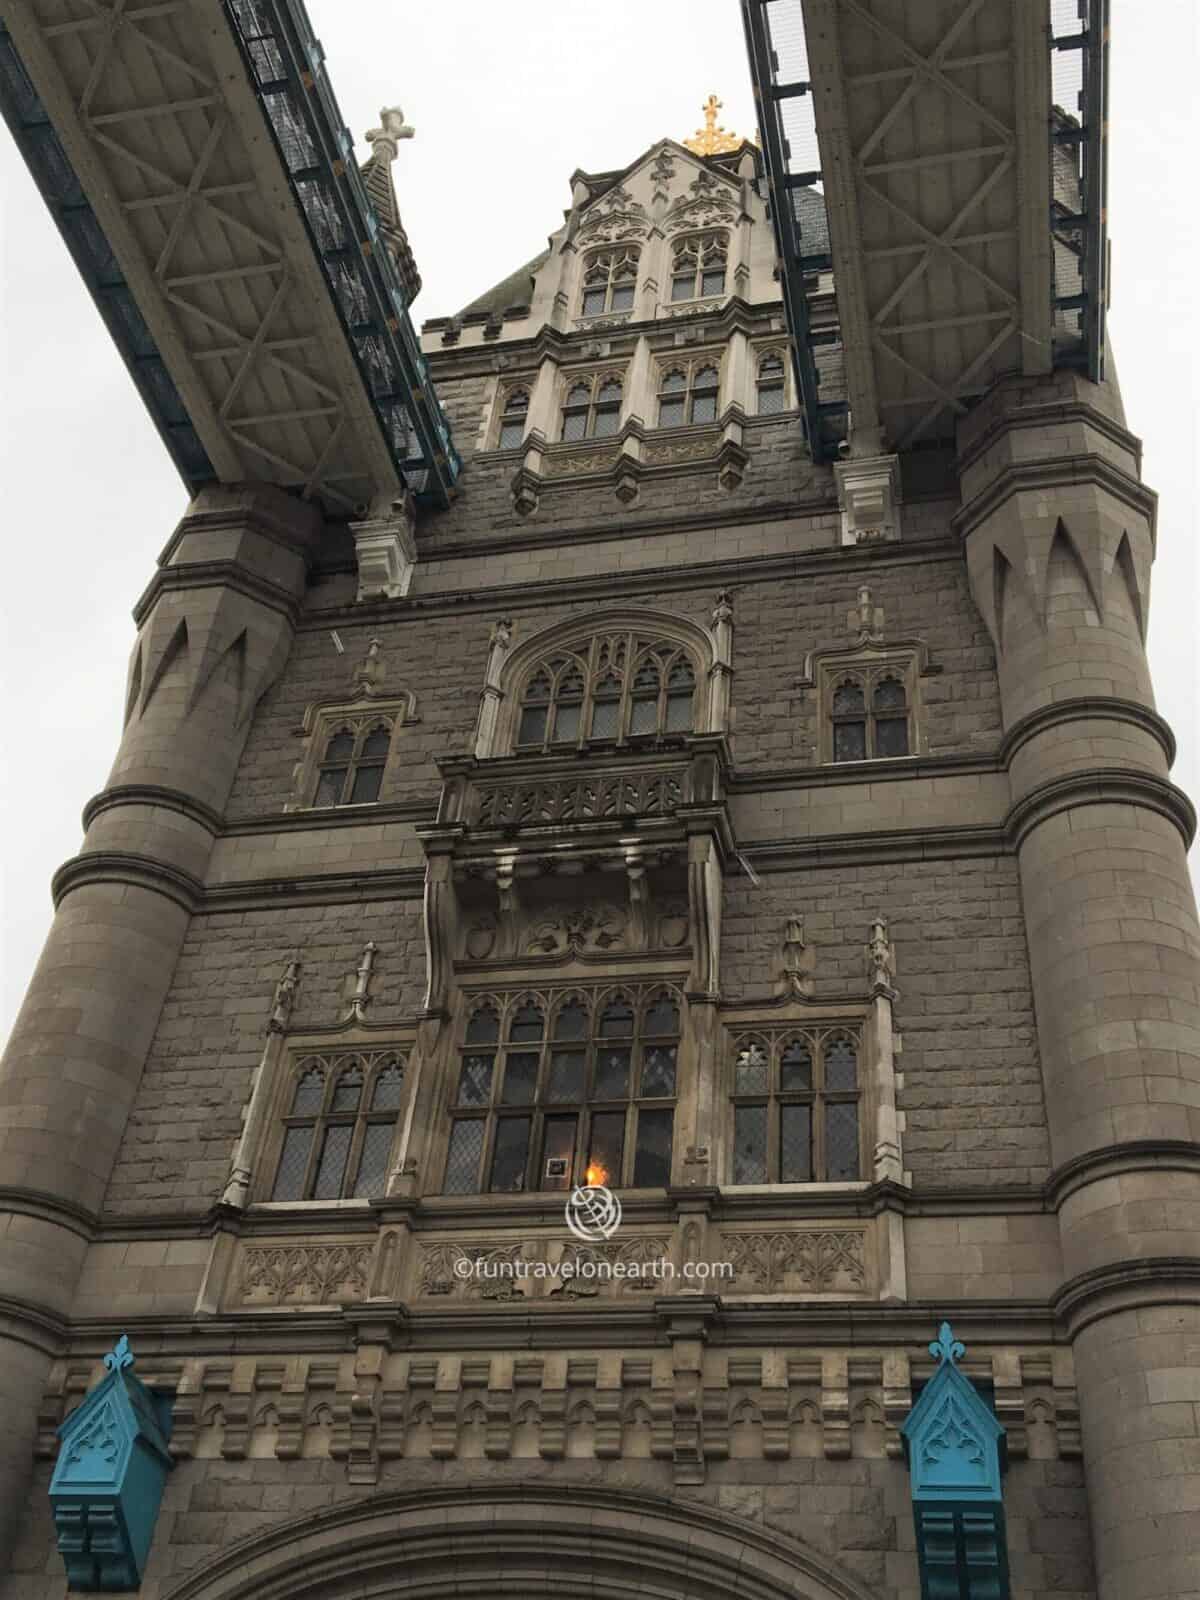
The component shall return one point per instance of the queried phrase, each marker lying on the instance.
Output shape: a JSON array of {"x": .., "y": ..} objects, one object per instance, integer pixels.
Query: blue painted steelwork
[
  {"x": 797, "y": 205},
  {"x": 108, "y": 1481},
  {"x": 955, "y": 1450},
  {"x": 55, "y": 176},
  {"x": 286, "y": 65},
  {"x": 1079, "y": 40}
]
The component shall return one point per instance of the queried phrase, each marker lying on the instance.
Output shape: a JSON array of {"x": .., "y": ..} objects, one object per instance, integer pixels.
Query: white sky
[{"x": 507, "y": 101}]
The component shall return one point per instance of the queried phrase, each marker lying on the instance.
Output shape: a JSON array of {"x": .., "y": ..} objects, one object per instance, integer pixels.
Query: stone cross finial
[
  {"x": 385, "y": 140},
  {"x": 359, "y": 986},
  {"x": 369, "y": 670},
  {"x": 285, "y": 995}
]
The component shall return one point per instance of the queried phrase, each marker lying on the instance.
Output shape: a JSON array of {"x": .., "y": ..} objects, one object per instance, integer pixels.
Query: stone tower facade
[{"x": 788, "y": 849}]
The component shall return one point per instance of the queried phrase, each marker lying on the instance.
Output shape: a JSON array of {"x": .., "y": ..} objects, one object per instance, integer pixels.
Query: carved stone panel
[
  {"x": 577, "y": 799},
  {"x": 303, "y": 1274},
  {"x": 800, "y": 1261}
]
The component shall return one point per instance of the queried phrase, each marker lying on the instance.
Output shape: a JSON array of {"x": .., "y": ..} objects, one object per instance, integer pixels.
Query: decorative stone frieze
[{"x": 304, "y": 1274}]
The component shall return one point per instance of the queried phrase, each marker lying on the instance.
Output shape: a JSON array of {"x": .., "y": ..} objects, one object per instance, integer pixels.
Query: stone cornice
[
  {"x": 1124, "y": 1286},
  {"x": 49, "y": 1208},
  {"x": 25, "y": 1323},
  {"x": 1054, "y": 472},
  {"x": 1086, "y": 708},
  {"x": 828, "y": 560},
  {"x": 217, "y": 574},
  {"x": 126, "y": 867},
  {"x": 274, "y": 524},
  {"x": 752, "y": 780},
  {"x": 1101, "y": 786},
  {"x": 308, "y": 817},
  {"x": 149, "y": 794},
  {"x": 326, "y": 888},
  {"x": 945, "y": 843},
  {"x": 1049, "y": 414}
]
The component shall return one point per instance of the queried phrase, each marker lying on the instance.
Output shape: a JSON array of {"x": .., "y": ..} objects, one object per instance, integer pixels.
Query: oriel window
[
  {"x": 591, "y": 695},
  {"x": 579, "y": 1090},
  {"x": 687, "y": 395},
  {"x": 796, "y": 1100},
  {"x": 339, "y": 1126},
  {"x": 352, "y": 767}
]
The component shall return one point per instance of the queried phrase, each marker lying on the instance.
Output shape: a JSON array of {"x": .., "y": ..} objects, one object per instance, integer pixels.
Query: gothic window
[
  {"x": 771, "y": 387},
  {"x": 613, "y": 689},
  {"x": 352, "y": 765},
  {"x": 688, "y": 394},
  {"x": 592, "y": 408},
  {"x": 698, "y": 266},
  {"x": 570, "y": 1088},
  {"x": 870, "y": 712},
  {"x": 796, "y": 1107},
  {"x": 339, "y": 1124},
  {"x": 609, "y": 280},
  {"x": 514, "y": 419}
]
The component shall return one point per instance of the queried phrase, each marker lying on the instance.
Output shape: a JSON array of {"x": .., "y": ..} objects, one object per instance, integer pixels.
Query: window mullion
[
  {"x": 354, "y": 1153},
  {"x": 314, "y": 1155}
]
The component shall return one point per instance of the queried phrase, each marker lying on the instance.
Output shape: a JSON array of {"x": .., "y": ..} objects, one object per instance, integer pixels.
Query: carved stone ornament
[
  {"x": 663, "y": 170},
  {"x": 616, "y": 215},
  {"x": 481, "y": 939},
  {"x": 368, "y": 674},
  {"x": 285, "y": 996},
  {"x": 385, "y": 139},
  {"x": 323, "y": 1274},
  {"x": 797, "y": 1261},
  {"x": 797, "y": 960},
  {"x": 869, "y": 496},
  {"x": 881, "y": 960},
  {"x": 575, "y": 929},
  {"x": 708, "y": 202}
]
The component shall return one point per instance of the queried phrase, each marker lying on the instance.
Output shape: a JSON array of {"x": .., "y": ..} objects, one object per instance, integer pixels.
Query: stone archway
[{"x": 519, "y": 1544}]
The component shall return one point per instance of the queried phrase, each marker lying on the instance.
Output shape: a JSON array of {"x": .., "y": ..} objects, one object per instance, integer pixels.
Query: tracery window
[
  {"x": 698, "y": 266},
  {"x": 558, "y": 1090},
  {"x": 870, "y": 713},
  {"x": 339, "y": 1124},
  {"x": 514, "y": 419},
  {"x": 771, "y": 384},
  {"x": 688, "y": 394},
  {"x": 609, "y": 281},
  {"x": 612, "y": 688},
  {"x": 353, "y": 763},
  {"x": 796, "y": 1106},
  {"x": 592, "y": 408}
]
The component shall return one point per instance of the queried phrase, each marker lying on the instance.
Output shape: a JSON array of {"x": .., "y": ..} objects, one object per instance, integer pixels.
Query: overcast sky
[{"x": 507, "y": 101}]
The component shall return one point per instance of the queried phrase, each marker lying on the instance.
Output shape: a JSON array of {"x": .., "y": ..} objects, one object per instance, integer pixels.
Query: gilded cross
[{"x": 711, "y": 139}]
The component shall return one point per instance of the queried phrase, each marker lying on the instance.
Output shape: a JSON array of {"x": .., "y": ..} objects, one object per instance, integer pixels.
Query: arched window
[
  {"x": 590, "y": 696},
  {"x": 609, "y": 281},
  {"x": 339, "y": 1126},
  {"x": 688, "y": 394},
  {"x": 770, "y": 384},
  {"x": 592, "y": 408},
  {"x": 352, "y": 768},
  {"x": 796, "y": 1115},
  {"x": 514, "y": 419},
  {"x": 698, "y": 266},
  {"x": 587, "y": 1096},
  {"x": 870, "y": 714}
]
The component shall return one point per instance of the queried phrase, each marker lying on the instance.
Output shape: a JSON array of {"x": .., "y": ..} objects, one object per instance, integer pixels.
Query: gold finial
[{"x": 711, "y": 139}]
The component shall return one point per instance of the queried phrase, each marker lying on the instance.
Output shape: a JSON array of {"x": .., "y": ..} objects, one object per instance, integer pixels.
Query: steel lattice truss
[
  {"x": 934, "y": 129},
  {"x": 147, "y": 134}
]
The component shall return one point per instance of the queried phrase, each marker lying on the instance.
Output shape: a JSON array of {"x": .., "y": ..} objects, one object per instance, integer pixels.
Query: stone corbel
[
  {"x": 721, "y": 672},
  {"x": 732, "y": 459},
  {"x": 385, "y": 546},
  {"x": 439, "y": 921},
  {"x": 627, "y": 472},
  {"x": 527, "y": 480},
  {"x": 639, "y": 907},
  {"x": 869, "y": 497},
  {"x": 704, "y": 906}
]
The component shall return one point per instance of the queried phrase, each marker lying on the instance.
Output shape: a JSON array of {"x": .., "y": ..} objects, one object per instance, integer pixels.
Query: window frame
[
  {"x": 774, "y": 1040},
  {"x": 706, "y": 247},
  {"x": 770, "y": 383},
  {"x": 641, "y": 998},
  {"x": 615, "y": 256},
  {"x": 360, "y": 728},
  {"x": 868, "y": 673},
  {"x": 690, "y": 390},
  {"x": 512, "y": 415},
  {"x": 617, "y": 658},
  {"x": 597, "y": 407},
  {"x": 373, "y": 1061}
]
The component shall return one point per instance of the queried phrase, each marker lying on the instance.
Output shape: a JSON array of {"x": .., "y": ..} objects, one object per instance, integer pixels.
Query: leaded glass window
[
  {"x": 353, "y": 763},
  {"x": 698, "y": 266},
  {"x": 771, "y": 386},
  {"x": 797, "y": 1107},
  {"x": 609, "y": 281},
  {"x": 514, "y": 419},
  {"x": 870, "y": 713},
  {"x": 592, "y": 407},
  {"x": 611, "y": 689},
  {"x": 688, "y": 394},
  {"x": 560, "y": 1090},
  {"x": 339, "y": 1125}
]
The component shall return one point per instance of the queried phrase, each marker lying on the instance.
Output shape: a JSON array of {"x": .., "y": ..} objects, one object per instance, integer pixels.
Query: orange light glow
[{"x": 596, "y": 1175}]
